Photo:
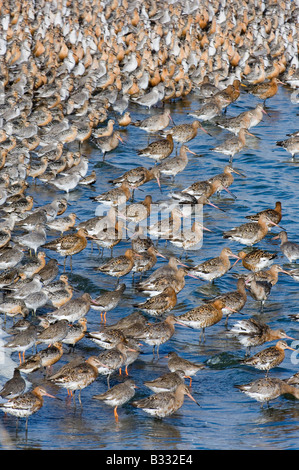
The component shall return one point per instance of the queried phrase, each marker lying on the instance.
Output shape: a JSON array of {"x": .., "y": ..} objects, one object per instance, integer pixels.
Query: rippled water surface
[{"x": 226, "y": 419}]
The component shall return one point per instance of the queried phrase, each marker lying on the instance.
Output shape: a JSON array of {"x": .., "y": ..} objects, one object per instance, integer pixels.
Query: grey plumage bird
[{"x": 14, "y": 386}]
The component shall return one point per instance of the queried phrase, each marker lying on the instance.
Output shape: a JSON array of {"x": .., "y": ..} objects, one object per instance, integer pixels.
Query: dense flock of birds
[{"x": 69, "y": 72}]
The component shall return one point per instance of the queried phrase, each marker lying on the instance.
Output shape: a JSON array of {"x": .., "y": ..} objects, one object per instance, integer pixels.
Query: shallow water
[{"x": 226, "y": 418}]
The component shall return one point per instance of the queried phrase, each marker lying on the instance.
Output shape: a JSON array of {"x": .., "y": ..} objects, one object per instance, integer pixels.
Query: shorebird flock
[{"x": 71, "y": 72}]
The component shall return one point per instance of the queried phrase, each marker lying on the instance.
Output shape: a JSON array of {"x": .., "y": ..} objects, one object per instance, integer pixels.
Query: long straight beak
[
  {"x": 207, "y": 229},
  {"x": 285, "y": 272},
  {"x": 194, "y": 277},
  {"x": 183, "y": 324},
  {"x": 103, "y": 365},
  {"x": 92, "y": 237},
  {"x": 229, "y": 192},
  {"x": 160, "y": 254},
  {"x": 184, "y": 265},
  {"x": 276, "y": 225},
  {"x": 172, "y": 120},
  {"x": 235, "y": 256},
  {"x": 231, "y": 309},
  {"x": 204, "y": 130},
  {"x": 214, "y": 205},
  {"x": 192, "y": 398},
  {"x": 249, "y": 133},
  {"x": 51, "y": 396},
  {"x": 238, "y": 259},
  {"x": 238, "y": 173},
  {"x": 289, "y": 347},
  {"x": 190, "y": 151},
  {"x": 288, "y": 273}
]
